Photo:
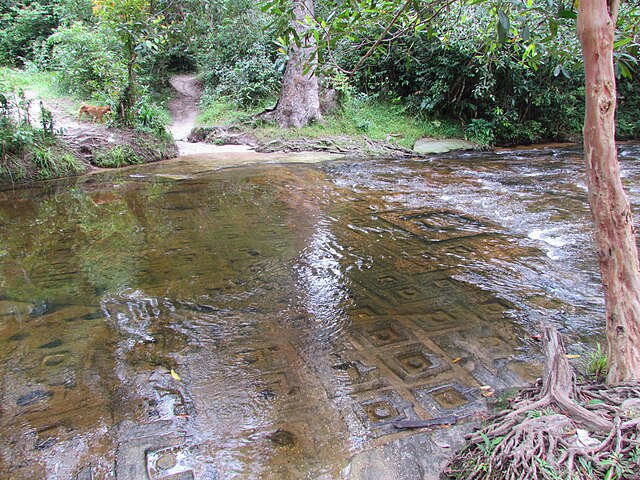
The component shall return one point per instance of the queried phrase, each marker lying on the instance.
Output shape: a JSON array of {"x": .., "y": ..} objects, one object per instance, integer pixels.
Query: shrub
[
  {"x": 500, "y": 100},
  {"x": 250, "y": 79},
  {"x": 87, "y": 60},
  {"x": 27, "y": 151},
  {"x": 237, "y": 57},
  {"x": 150, "y": 117},
  {"x": 117, "y": 157},
  {"x": 597, "y": 365},
  {"x": 21, "y": 27}
]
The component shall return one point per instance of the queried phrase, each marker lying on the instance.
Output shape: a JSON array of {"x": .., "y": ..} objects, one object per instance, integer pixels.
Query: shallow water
[{"x": 270, "y": 321}]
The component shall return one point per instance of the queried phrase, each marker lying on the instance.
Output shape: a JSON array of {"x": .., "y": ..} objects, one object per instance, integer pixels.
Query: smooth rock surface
[
  {"x": 433, "y": 145},
  {"x": 420, "y": 456}
]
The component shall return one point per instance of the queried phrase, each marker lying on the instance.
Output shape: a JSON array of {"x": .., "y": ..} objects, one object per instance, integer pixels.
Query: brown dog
[{"x": 96, "y": 112}]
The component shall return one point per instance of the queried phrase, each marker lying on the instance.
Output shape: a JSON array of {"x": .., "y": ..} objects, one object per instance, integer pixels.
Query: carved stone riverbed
[{"x": 178, "y": 321}]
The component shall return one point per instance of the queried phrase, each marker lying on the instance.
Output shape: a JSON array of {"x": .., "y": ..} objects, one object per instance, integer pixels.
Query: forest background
[{"x": 475, "y": 71}]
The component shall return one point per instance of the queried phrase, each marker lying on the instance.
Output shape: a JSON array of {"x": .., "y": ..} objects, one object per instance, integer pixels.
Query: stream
[{"x": 181, "y": 321}]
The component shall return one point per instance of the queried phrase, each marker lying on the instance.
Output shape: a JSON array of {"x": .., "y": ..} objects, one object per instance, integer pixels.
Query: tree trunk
[
  {"x": 614, "y": 231},
  {"x": 299, "y": 102}
]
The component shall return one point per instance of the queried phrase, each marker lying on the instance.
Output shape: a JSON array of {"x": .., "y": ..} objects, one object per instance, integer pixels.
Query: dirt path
[
  {"x": 184, "y": 106},
  {"x": 65, "y": 117},
  {"x": 184, "y": 110}
]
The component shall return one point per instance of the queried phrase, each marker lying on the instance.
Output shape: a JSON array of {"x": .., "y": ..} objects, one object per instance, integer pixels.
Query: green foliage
[
  {"x": 116, "y": 157},
  {"x": 597, "y": 365},
  {"x": 72, "y": 11},
  {"x": 27, "y": 151},
  {"x": 87, "y": 60},
  {"x": 508, "y": 70},
  {"x": 23, "y": 27},
  {"x": 237, "y": 57},
  {"x": 628, "y": 109},
  {"x": 250, "y": 79},
  {"x": 16, "y": 132},
  {"x": 503, "y": 101},
  {"x": 150, "y": 117},
  {"x": 52, "y": 163},
  {"x": 139, "y": 28}
]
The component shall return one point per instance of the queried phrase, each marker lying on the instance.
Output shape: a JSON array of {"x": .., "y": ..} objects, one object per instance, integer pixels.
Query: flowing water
[{"x": 179, "y": 321}]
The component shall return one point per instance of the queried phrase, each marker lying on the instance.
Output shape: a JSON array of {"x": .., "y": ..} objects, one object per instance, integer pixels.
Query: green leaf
[
  {"x": 622, "y": 42},
  {"x": 530, "y": 50},
  {"x": 567, "y": 14},
  {"x": 624, "y": 70},
  {"x": 502, "y": 33},
  {"x": 504, "y": 20},
  {"x": 526, "y": 33},
  {"x": 553, "y": 27}
]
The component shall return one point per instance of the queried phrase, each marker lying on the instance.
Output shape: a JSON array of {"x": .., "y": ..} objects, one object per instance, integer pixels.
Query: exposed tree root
[{"x": 558, "y": 430}]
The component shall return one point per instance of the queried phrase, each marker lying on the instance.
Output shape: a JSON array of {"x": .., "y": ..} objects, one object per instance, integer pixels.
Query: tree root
[{"x": 557, "y": 429}]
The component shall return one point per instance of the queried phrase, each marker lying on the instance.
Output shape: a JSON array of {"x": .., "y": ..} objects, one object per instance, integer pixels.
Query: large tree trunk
[
  {"x": 614, "y": 231},
  {"x": 299, "y": 102}
]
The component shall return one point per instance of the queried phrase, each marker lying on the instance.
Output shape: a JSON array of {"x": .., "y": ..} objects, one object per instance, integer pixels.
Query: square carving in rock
[
  {"x": 169, "y": 462},
  {"x": 449, "y": 398},
  {"x": 445, "y": 318},
  {"x": 383, "y": 333},
  {"x": 360, "y": 377},
  {"x": 277, "y": 387},
  {"x": 382, "y": 410},
  {"x": 445, "y": 399},
  {"x": 413, "y": 363}
]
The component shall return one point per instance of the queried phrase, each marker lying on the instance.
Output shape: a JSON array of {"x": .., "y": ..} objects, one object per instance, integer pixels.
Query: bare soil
[
  {"x": 184, "y": 105},
  {"x": 86, "y": 138}
]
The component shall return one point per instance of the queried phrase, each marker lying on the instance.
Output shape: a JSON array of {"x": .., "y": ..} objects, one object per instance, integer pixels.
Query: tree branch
[
  {"x": 614, "y": 8},
  {"x": 382, "y": 35}
]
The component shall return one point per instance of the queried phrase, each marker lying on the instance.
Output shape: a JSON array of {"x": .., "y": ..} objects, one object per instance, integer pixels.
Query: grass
[
  {"x": 597, "y": 365},
  {"x": 52, "y": 163},
  {"x": 118, "y": 156},
  {"x": 357, "y": 118},
  {"x": 41, "y": 83}
]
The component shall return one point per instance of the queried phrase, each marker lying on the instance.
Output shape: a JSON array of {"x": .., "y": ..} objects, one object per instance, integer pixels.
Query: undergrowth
[
  {"x": 40, "y": 82},
  {"x": 116, "y": 157},
  {"x": 357, "y": 118},
  {"x": 29, "y": 147}
]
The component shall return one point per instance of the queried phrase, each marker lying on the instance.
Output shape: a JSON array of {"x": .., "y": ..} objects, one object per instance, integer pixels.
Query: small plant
[
  {"x": 44, "y": 163},
  {"x": 46, "y": 121},
  {"x": 490, "y": 444},
  {"x": 481, "y": 131},
  {"x": 616, "y": 466},
  {"x": 117, "y": 157},
  {"x": 597, "y": 365},
  {"x": 70, "y": 164},
  {"x": 548, "y": 470},
  {"x": 149, "y": 117},
  {"x": 540, "y": 413}
]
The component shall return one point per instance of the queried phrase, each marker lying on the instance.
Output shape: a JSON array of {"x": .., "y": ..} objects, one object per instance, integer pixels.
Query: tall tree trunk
[
  {"x": 614, "y": 231},
  {"x": 299, "y": 102}
]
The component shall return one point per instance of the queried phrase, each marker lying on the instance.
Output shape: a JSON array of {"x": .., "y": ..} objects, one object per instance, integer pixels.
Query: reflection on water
[{"x": 268, "y": 322}]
